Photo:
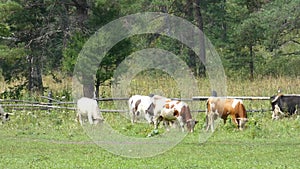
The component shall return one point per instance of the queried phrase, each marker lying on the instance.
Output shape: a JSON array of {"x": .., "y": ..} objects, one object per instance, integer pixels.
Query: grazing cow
[
  {"x": 176, "y": 111},
  {"x": 4, "y": 116},
  {"x": 145, "y": 107},
  {"x": 88, "y": 108},
  {"x": 140, "y": 107},
  {"x": 158, "y": 103},
  {"x": 284, "y": 105},
  {"x": 222, "y": 107}
]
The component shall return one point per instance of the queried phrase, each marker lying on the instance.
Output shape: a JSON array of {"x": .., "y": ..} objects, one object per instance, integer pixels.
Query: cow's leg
[
  {"x": 133, "y": 117},
  {"x": 212, "y": 122},
  {"x": 79, "y": 118},
  {"x": 206, "y": 123},
  {"x": 148, "y": 118},
  {"x": 211, "y": 118},
  {"x": 181, "y": 123},
  {"x": 235, "y": 120},
  {"x": 208, "y": 119},
  {"x": 166, "y": 124},
  {"x": 292, "y": 110},
  {"x": 209, "y": 122},
  {"x": 157, "y": 120},
  {"x": 275, "y": 115},
  {"x": 224, "y": 119},
  {"x": 90, "y": 118}
]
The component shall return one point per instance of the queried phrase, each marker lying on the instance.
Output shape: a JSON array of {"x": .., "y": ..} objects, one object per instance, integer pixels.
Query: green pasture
[{"x": 38, "y": 139}]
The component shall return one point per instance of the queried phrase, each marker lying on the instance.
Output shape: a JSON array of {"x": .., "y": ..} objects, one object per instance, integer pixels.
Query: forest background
[{"x": 41, "y": 39}]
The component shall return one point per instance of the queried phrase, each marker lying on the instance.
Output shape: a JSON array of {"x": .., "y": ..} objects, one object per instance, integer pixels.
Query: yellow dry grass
[{"x": 165, "y": 85}]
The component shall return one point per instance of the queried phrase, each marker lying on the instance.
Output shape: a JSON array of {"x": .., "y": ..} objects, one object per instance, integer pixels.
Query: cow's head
[
  {"x": 190, "y": 124},
  {"x": 4, "y": 117},
  {"x": 276, "y": 112},
  {"x": 242, "y": 120}
]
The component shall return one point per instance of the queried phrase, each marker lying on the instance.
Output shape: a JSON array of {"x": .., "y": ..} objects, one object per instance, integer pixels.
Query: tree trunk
[
  {"x": 224, "y": 23},
  {"x": 97, "y": 87},
  {"x": 81, "y": 12},
  {"x": 35, "y": 81},
  {"x": 88, "y": 86},
  {"x": 251, "y": 63},
  {"x": 65, "y": 23},
  {"x": 199, "y": 22},
  {"x": 192, "y": 61}
]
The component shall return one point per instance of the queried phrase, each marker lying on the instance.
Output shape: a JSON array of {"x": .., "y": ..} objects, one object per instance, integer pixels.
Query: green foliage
[
  {"x": 71, "y": 52},
  {"x": 6, "y": 9}
]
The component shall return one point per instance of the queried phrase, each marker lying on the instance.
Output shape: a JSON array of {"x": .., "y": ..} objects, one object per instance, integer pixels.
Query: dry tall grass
[{"x": 168, "y": 86}]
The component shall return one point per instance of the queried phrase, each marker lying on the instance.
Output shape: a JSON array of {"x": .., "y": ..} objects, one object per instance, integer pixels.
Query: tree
[
  {"x": 271, "y": 24},
  {"x": 43, "y": 27}
]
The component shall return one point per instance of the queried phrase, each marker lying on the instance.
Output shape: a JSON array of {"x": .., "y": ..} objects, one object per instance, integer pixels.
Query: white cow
[
  {"x": 4, "y": 116},
  {"x": 88, "y": 108}
]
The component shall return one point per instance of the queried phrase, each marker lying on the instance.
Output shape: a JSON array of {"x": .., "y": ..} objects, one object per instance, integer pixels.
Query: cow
[
  {"x": 222, "y": 107},
  {"x": 4, "y": 116},
  {"x": 145, "y": 107},
  {"x": 140, "y": 107},
  {"x": 284, "y": 105},
  {"x": 88, "y": 109},
  {"x": 175, "y": 111}
]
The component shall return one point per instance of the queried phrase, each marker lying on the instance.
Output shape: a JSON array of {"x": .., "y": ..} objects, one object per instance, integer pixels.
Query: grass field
[
  {"x": 37, "y": 139},
  {"x": 43, "y": 142}
]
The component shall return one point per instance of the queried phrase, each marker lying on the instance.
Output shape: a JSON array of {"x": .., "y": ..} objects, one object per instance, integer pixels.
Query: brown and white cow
[
  {"x": 222, "y": 107},
  {"x": 140, "y": 107},
  {"x": 176, "y": 111},
  {"x": 145, "y": 107}
]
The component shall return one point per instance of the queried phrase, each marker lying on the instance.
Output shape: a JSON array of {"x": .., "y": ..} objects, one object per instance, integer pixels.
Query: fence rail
[
  {"x": 57, "y": 104},
  {"x": 204, "y": 98}
]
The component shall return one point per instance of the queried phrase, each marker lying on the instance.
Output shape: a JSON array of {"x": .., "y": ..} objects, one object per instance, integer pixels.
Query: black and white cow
[
  {"x": 4, "y": 116},
  {"x": 284, "y": 104}
]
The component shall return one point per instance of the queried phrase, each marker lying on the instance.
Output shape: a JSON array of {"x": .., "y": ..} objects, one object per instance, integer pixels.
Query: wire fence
[{"x": 51, "y": 103}]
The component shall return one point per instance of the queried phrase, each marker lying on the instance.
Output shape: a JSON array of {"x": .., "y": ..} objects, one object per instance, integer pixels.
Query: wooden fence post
[{"x": 49, "y": 101}]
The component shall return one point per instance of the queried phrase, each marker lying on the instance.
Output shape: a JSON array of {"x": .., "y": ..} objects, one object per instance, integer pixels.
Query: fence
[{"x": 51, "y": 103}]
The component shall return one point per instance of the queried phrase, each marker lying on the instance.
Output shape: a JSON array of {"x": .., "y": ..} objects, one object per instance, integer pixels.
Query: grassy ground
[
  {"x": 41, "y": 140},
  {"x": 221, "y": 151}
]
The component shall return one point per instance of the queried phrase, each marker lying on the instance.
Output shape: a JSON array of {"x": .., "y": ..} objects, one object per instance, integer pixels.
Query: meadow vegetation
[{"x": 42, "y": 139}]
